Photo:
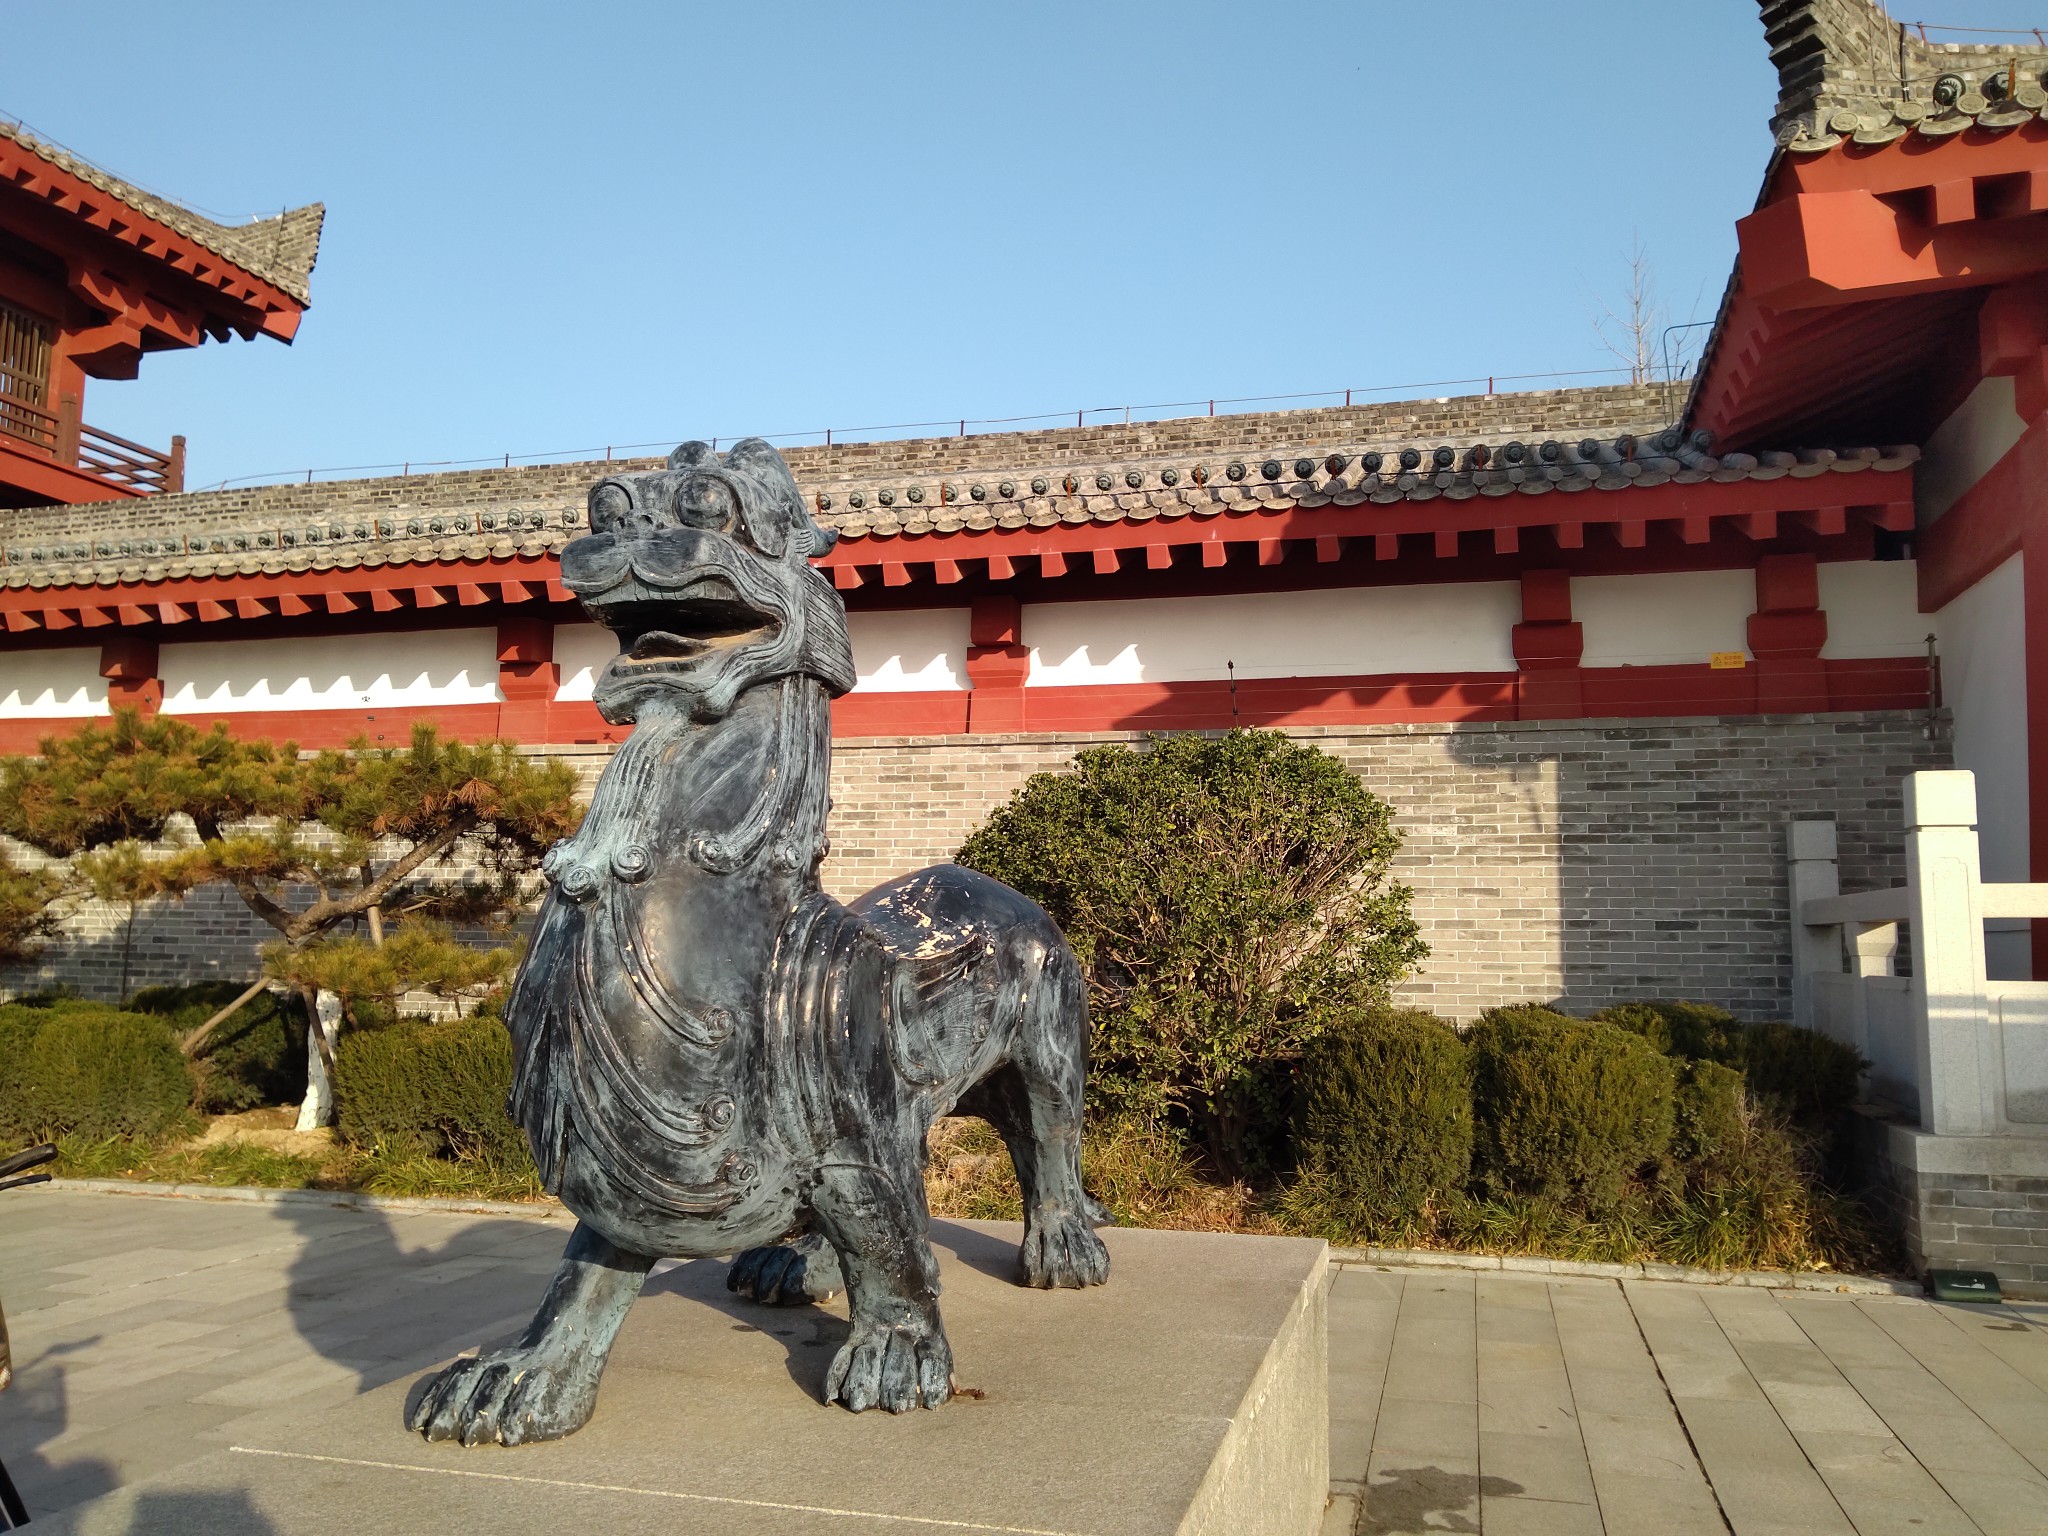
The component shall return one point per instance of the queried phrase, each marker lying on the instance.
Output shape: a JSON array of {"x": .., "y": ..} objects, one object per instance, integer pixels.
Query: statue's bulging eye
[
  {"x": 705, "y": 502},
  {"x": 609, "y": 507}
]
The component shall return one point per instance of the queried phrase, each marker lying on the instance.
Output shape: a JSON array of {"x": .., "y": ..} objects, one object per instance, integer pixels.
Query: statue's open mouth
[{"x": 668, "y": 627}]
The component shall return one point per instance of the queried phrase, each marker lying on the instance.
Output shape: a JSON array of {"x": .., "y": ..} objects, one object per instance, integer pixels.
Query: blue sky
[{"x": 555, "y": 227}]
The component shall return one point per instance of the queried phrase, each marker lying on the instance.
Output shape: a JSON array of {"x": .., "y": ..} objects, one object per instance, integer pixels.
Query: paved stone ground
[
  {"x": 1512, "y": 1405},
  {"x": 150, "y": 1332}
]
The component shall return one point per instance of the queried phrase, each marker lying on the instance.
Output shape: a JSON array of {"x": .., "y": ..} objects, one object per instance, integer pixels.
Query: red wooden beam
[{"x": 1837, "y": 247}]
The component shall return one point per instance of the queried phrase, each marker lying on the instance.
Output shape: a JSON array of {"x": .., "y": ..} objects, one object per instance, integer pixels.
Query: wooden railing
[
  {"x": 30, "y": 424},
  {"x": 94, "y": 450},
  {"x": 117, "y": 459}
]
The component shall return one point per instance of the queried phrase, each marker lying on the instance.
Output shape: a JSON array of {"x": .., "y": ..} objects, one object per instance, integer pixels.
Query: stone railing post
[
  {"x": 1957, "y": 1056},
  {"x": 1811, "y": 872}
]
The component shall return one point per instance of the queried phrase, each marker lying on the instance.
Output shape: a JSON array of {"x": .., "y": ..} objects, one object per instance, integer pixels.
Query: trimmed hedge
[
  {"x": 1708, "y": 1119},
  {"x": 257, "y": 1057},
  {"x": 1566, "y": 1109},
  {"x": 1385, "y": 1124},
  {"x": 71, "y": 1067},
  {"x": 433, "y": 1086},
  {"x": 1801, "y": 1072}
]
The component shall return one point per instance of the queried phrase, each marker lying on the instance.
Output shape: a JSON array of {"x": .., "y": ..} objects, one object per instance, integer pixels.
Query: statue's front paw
[
  {"x": 511, "y": 1396},
  {"x": 894, "y": 1368},
  {"x": 1061, "y": 1251},
  {"x": 788, "y": 1275}
]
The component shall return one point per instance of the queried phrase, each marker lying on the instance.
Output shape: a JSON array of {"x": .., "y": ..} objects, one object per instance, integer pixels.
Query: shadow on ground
[
  {"x": 1428, "y": 1499},
  {"x": 33, "y": 1414},
  {"x": 381, "y": 1307},
  {"x": 226, "y": 1513}
]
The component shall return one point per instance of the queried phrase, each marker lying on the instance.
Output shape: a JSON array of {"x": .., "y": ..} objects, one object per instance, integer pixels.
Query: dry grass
[
  {"x": 1144, "y": 1176},
  {"x": 1769, "y": 1219},
  {"x": 252, "y": 1149}
]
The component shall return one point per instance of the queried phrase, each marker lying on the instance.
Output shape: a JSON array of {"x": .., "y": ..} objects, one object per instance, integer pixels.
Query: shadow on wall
[
  {"x": 1667, "y": 842},
  {"x": 208, "y": 936}
]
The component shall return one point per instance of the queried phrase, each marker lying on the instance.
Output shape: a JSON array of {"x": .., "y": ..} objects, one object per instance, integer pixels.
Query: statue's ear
[
  {"x": 691, "y": 454},
  {"x": 755, "y": 456}
]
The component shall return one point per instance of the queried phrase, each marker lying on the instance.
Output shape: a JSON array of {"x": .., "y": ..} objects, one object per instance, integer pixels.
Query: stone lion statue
[{"x": 712, "y": 1055}]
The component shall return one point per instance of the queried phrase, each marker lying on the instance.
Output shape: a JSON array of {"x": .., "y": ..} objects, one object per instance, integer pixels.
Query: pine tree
[
  {"x": 329, "y": 850},
  {"x": 27, "y": 916}
]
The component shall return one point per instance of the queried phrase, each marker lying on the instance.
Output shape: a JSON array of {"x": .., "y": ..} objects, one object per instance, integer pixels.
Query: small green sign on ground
[{"x": 1963, "y": 1284}]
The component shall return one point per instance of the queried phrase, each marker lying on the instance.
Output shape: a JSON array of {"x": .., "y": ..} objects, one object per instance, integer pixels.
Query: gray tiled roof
[
  {"x": 1278, "y": 479},
  {"x": 1284, "y": 478},
  {"x": 280, "y": 250}
]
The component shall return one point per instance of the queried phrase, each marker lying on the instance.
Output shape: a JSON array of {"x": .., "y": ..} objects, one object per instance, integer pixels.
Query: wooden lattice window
[{"x": 25, "y": 377}]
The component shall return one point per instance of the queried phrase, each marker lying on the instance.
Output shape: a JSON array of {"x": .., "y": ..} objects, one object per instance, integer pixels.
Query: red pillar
[
  {"x": 528, "y": 677},
  {"x": 1786, "y": 634},
  {"x": 128, "y": 662},
  {"x": 1548, "y": 645},
  {"x": 997, "y": 662}
]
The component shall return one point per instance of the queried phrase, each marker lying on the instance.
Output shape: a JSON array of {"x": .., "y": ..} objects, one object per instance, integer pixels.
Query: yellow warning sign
[{"x": 1723, "y": 661}]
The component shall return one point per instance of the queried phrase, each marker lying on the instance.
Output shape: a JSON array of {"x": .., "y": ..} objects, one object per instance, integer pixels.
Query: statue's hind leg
[
  {"x": 545, "y": 1386},
  {"x": 1034, "y": 1102}
]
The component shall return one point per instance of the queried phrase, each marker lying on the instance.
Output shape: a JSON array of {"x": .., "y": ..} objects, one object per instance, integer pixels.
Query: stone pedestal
[
  {"x": 1188, "y": 1397},
  {"x": 1965, "y": 1202}
]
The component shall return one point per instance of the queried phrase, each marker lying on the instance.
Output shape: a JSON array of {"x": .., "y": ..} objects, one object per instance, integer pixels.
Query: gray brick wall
[{"x": 1586, "y": 861}]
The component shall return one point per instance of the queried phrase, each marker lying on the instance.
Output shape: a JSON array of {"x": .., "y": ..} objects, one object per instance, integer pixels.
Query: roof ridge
[{"x": 1846, "y": 69}]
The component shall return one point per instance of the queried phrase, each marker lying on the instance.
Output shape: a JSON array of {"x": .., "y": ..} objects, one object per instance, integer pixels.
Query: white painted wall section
[
  {"x": 1981, "y": 639},
  {"x": 910, "y": 650},
  {"x": 915, "y": 650},
  {"x": 52, "y": 685},
  {"x": 581, "y": 651},
  {"x": 1958, "y": 452},
  {"x": 423, "y": 667},
  {"x": 1873, "y": 609},
  {"x": 1352, "y": 631},
  {"x": 1663, "y": 618}
]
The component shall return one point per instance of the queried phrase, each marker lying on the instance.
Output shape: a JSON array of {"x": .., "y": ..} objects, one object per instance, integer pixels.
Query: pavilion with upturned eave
[{"x": 94, "y": 273}]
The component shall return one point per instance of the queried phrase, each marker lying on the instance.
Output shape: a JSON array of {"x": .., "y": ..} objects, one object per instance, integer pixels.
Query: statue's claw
[
  {"x": 1061, "y": 1251},
  {"x": 510, "y": 1397},
  {"x": 894, "y": 1368}
]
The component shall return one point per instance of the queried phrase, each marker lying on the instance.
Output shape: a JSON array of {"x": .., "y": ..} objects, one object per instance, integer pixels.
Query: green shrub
[
  {"x": 1227, "y": 896},
  {"x": 1566, "y": 1109},
  {"x": 436, "y": 1087},
  {"x": 1385, "y": 1123},
  {"x": 86, "y": 1069},
  {"x": 257, "y": 1057},
  {"x": 1709, "y": 1118},
  {"x": 1696, "y": 1031},
  {"x": 1800, "y": 1071}
]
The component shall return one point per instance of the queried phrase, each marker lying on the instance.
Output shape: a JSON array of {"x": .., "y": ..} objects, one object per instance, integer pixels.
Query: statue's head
[{"x": 703, "y": 570}]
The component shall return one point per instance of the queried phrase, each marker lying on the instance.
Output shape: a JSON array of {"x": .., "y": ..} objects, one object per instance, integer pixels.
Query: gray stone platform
[{"x": 1188, "y": 1396}]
